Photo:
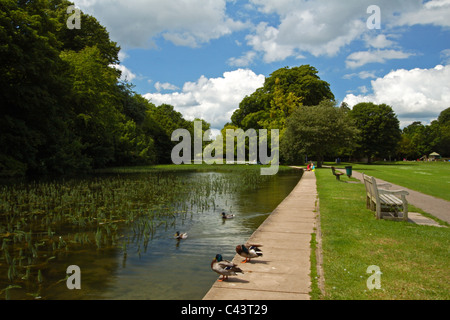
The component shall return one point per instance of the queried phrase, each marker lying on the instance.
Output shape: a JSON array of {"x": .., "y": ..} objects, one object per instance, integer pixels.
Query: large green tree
[
  {"x": 317, "y": 131},
  {"x": 420, "y": 140},
  {"x": 302, "y": 81},
  {"x": 32, "y": 87},
  {"x": 412, "y": 144},
  {"x": 64, "y": 108},
  {"x": 443, "y": 144},
  {"x": 283, "y": 90},
  {"x": 379, "y": 130}
]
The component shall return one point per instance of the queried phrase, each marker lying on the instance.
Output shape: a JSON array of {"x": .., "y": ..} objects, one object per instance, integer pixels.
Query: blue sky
[{"x": 205, "y": 56}]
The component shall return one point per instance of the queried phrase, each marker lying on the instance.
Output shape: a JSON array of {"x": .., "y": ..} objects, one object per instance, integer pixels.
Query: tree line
[
  {"x": 313, "y": 126},
  {"x": 64, "y": 109}
]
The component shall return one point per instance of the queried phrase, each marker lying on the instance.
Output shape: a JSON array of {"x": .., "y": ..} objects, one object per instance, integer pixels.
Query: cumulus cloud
[
  {"x": 379, "y": 42},
  {"x": 213, "y": 99},
  {"x": 434, "y": 12},
  {"x": 324, "y": 28},
  {"x": 127, "y": 75},
  {"x": 445, "y": 56},
  {"x": 165, "y": 86},
  {"x": 360, "y": 58},
  {"x": 417, "y": 94},
  {"x": 362, "y": 75},
  {"x": 320, "y": 28},
  {"x": 123, "y": 55},
  {"x": 244, "y": 61},
  {"x": 135, "y": 23}
]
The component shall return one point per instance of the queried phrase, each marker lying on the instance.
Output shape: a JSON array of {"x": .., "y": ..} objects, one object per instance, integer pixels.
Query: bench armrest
[
  {"x": 394, "y": 192},
  {"x": 385, "y": 185}
]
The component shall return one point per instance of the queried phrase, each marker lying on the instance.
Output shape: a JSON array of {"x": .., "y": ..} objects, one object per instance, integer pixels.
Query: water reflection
[{"x": 155, "y": 265}]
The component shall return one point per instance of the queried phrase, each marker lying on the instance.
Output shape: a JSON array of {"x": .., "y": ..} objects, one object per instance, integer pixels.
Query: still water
[{"x": 163, "y": 268}]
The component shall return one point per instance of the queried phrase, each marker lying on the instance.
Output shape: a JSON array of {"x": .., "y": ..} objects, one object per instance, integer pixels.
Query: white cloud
[
  {"x": 320, "y": 28},
  {"x": 363, "y": 89},
  {"x": 135, "y": 23},
  {"x": 445, "y": 56},
  {"x": 379, "y": 42},
  {"x": 165, "y": 86},
  {"x": 435, "y": 12},
  {"x": 360, "y": 58},
  {"x": 123, "y": 56},
  {"x": 214, "y": 99},
  {"x": 417, "y": 94},
  {"x": 325, "y": 27},
  {"x": 266, "y": 40},
  {"x": 244, "y": 61},
  {"x": 127, "y": 75},
  {"x": 362, "y": 75},
  {"x": 279, "y": 28}
]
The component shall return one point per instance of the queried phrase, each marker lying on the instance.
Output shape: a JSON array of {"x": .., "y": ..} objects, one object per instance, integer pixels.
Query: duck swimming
[
  {"x": 227, "y": 216},
  {"x": 180, "y": 236},
  {"x": 224, "y": 267},
  {"x": 249, "y": 251}
]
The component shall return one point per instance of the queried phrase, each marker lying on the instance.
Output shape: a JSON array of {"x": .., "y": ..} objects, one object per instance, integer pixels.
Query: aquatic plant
[{"x": 43, "y": 220}]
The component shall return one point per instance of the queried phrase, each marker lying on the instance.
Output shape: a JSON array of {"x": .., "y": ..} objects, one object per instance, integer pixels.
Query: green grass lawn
[
  {"x": 432, "y": 178},
  {"x": 414, "y": 260}
]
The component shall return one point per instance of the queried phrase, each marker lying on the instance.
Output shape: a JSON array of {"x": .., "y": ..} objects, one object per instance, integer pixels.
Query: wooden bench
[
  {"x": 337, "y": 173},
  {"x": 388, "y": 204}
]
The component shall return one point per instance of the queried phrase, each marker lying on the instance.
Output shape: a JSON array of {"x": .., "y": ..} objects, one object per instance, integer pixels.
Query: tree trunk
[{"x": 319, "y": 161}]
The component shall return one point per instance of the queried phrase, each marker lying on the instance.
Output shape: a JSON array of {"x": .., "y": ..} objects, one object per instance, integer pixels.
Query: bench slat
[
  {"x": 378, "y": 199},
  {"x": 391, "y": 200}
]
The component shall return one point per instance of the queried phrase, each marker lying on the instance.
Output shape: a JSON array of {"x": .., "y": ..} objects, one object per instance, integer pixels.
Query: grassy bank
[
  {"x": 432, "y": 178},
  {"x": 189, "y": 167},
  {"x": 414, "y": 260}
]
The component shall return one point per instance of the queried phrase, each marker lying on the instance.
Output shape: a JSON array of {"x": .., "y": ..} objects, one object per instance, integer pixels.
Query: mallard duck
[
  {"x": 249, "y": 251},
  {"x": 227, "y": 216},
  {"x": 224, "y": 267},
  {"x": 180, "y": 236}
]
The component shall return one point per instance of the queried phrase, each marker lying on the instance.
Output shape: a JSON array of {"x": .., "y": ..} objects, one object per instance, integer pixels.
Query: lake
[{"x": 119, "y": 229}]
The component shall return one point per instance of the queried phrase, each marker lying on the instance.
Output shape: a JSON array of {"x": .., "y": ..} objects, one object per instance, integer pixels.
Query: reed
[{"x": 44, "y": 219}]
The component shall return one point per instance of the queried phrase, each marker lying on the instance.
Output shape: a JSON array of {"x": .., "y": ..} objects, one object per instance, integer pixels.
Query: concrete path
[
  {"x": 436, "y": 207},
  {"x": 283, "y": 272}
]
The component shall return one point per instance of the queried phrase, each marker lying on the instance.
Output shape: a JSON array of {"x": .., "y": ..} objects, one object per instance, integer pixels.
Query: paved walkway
[
  {"x": 283, "y": 272},
  {"x": 436, "y": 207}
]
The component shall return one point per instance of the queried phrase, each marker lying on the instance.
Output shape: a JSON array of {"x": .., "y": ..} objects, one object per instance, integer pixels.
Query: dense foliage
[
  {"x": 283, "y": 91},
  {"x": 420, "y": 140},
  {"x": 318, "y": 131},
  {"x": 379, "y": 130},
  {"x": 64, "y": 108},
  {"x": 301, "y": 105}
]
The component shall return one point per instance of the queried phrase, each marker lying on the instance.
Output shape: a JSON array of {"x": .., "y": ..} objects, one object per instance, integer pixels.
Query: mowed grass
[
  {"x": 414, "y": 260},
  {"x": 432, "y": 178}
]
